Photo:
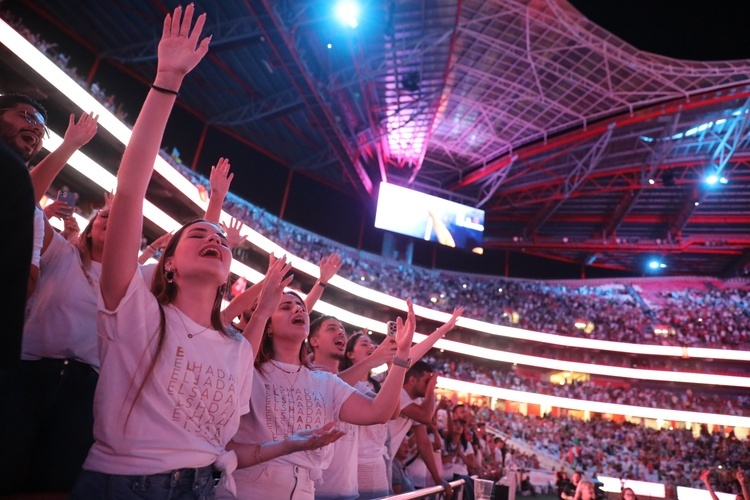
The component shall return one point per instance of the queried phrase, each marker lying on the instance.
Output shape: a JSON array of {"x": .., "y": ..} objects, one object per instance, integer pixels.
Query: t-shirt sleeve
[
  {"x": 247, "y": 380},
  {"x": 341, "y": 392}
]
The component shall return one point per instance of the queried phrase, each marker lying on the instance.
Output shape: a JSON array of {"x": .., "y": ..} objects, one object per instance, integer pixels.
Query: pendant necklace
[
  {"x": 190, "y": 335},
  {"x": 295, "y": 373}
]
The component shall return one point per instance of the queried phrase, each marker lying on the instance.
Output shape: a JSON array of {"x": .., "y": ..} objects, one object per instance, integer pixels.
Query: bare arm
[
  {"x": 180, "y": 50},
  {"x": 76, "y": 135},
  {"x": 270, "y": 294},
  {"x": 154, "y": 247},
  {"x": 329, "y": 266},
  {"x": 707, "y": 482},
  {"x": 425, "y": 450},
  {"x": 419, "y": 350},
  {"x": 219, "y": 181},
  {"x": 361, "y": 410},
  {"x": 743, "y": 483},
  {"x": 360, "y": 370},
  {"x": 309, "y": 439},
  {"x": 423, "y": 412},
  {"x": 242, "y": 302}
]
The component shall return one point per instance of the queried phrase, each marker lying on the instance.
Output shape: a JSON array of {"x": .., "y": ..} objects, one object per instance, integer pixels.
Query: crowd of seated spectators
[
  {"x": 687, "y": 399},
  {"x": 717, "y": 319},
  {"x": 601, "y": 312},
  {"x": 63, "y": 62},
  {"x": 675, "y": 457}
]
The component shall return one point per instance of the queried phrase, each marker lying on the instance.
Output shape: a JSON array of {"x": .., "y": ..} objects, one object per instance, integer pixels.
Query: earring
[{"x": 169, "y": 275}]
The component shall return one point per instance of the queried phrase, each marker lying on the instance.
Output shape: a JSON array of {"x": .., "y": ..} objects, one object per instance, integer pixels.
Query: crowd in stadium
[
  {"x": 236, "y": 410},
  {"x": 716, "y": 318},
  {"x": 686, "y": 398}
]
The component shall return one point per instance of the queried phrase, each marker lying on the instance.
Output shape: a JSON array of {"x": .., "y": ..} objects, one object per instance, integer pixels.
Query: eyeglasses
[{"x": 35, "y": 120}]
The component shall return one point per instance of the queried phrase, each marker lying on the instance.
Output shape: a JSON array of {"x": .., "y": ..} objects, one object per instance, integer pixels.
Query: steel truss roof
[{"x": 579, "y": 146}]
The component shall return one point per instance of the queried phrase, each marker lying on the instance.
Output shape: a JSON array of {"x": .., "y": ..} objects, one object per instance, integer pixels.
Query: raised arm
[
  {"x": 219, "y": 181},
  {"x": 707, "y": 482},
  {"x": 360, "y": 370},
  {"x": 743, "y": 483},
  {"x": 180, "y": 50},
  {"x": 419, "y": 350},
  {"x": 361, "y": 410},
  {"x": 76, "y": 136},
  {"x": 423, "y": 412},
  {"x": 329, "y": 266},
  {"x": 153, "y": 248},
  {"x": 270, "y": 294}
]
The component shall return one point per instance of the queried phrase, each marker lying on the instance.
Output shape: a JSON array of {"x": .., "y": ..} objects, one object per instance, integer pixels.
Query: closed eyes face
[
  {"x": 290, "y": 318},
  {"x": 202, "y": 246}
]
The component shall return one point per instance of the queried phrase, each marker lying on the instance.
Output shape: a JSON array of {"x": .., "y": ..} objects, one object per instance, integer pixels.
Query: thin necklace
[
  {"x": 190, "y": 335},
  {"x": 291, "y": 382},
  {"x": 274, "y": 363}
]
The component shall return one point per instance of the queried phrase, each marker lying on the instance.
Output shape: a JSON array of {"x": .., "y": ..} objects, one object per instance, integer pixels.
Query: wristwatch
[{"x": 403, "y": 363}]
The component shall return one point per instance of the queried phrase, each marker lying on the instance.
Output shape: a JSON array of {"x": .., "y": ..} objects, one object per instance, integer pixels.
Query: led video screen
[{"x": 427, "y": 217}]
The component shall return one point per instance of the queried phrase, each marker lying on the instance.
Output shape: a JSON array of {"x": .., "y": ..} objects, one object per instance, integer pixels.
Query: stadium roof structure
[{"x": 577, "y": 145}]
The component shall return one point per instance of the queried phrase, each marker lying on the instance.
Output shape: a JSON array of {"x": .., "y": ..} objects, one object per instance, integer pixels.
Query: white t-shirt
[
  {"x": 399, "y": 427},
  {"x": 61, "y": 314},
  {"x": 372, "y": 438},
  {"x": 285, "y": 403},
  {"x": 190, "y": 404},
  {"x": 457, "y": 465},
  {"x": 340, "y": 477}
]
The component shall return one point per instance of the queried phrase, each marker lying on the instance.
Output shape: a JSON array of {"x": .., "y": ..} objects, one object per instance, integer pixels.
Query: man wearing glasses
[{"x": 22, "y": 129}]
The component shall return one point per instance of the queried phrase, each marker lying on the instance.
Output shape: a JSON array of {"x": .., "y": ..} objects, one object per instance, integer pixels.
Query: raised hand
[
  {"x": 740, "y": 476},
  {"x": 329, "y": 266},
  {"x": 384, "y": 352},
  {"x": 58, "y": 208},
  {"x": 181, "y": 47},
  {"x": 405, "y": 329},
  {"x": 312, "y": 439},
  {"x": 451, "y": 323},
  {"x": 220, "y": 178},
  {"x": 233, "y": 232},
  {"x": 704, "y": 475},
  {"x": 273, "y": 285},
  {"x": 162, "y": 241},
  {"x": 81, "y": 132},
  {"x": 71, "y": 230}
]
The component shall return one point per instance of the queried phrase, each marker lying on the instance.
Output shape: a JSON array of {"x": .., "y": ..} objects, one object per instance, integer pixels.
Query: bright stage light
[
  {"x": 90, "y": 169},
  {"x": 712, "y": 179},
  {"x": 654, "y": 264},
  {"x": 347, "y": 13}
]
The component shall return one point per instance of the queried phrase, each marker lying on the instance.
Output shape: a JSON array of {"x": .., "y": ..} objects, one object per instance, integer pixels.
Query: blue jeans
[{"x": 180, "y": 484}]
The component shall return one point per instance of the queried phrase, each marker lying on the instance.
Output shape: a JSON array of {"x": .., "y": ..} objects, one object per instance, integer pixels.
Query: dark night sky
[{"x": 685, "y": 29}]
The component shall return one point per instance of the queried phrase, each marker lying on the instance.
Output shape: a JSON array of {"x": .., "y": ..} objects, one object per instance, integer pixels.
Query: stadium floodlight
[
  {"x": 47, "y": 70},
  {"x": 347, "y": 12}
]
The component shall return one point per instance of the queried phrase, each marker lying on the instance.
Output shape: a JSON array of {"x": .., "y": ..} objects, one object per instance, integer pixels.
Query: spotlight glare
[
  {"x": 723, "y": 180},
  {"x": 651, "y": 181},
  {"x": 330, "y": 46},
  {"x": 347, "y": 13},
  {"x": 653, "y": 264},
  {"x": 712, "y": 179}
]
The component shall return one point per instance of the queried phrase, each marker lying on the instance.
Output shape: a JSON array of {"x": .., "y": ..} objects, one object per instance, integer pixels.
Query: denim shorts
[{"x": 182, "y": 484}]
